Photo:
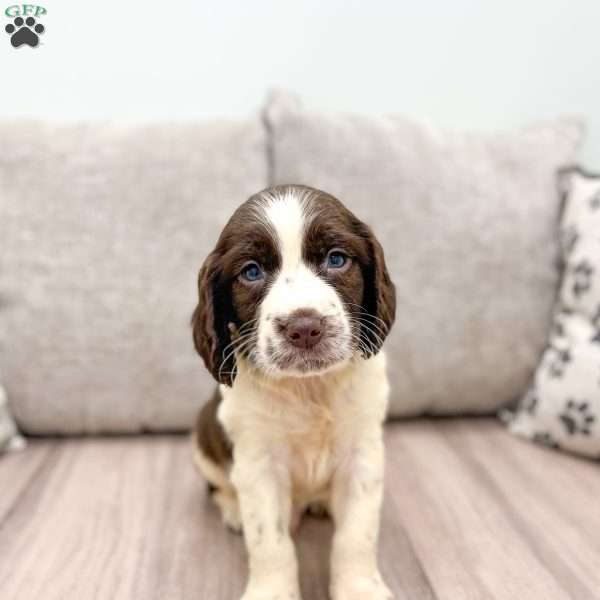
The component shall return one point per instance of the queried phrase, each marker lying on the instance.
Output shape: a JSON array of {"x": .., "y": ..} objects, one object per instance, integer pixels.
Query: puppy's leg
[
  {"x": 264, "y": 492},
  {"x": 356, "y": 503},
  {"x": 318, "y": 510},
  {"x": 213, "y": 457},
  {"x": 221, "y": 491}
]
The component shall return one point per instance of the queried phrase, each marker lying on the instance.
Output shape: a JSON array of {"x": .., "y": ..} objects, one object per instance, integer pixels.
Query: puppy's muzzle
[{"x": 303, "y": 329}]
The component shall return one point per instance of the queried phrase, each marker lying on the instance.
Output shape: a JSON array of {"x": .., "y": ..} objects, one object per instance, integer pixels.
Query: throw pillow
[{"x": 562, "y": 407}]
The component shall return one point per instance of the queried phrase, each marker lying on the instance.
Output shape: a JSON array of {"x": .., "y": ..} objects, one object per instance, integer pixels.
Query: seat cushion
[
  {"x": 468, "y": 223},
  {"x": 469, "y": 513},
  {"x": 104, "y": 228}
]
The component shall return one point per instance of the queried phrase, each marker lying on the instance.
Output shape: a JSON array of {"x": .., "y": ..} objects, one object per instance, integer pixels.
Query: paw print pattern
[
  {"x": 583, "y": 277},
  {"x": 596, "y": 324},
  {"x": 530, "y": 402},
  {"x": 577, "y": 418},
  {"x": 569, "y": 236},
  {"x": 596, "y": 318},
  {"x": 557, "y": 361},
  {"x": 557, "y": 329},
  {"x": 545, "y": 439},
  {"x": 24, "y": 32}
]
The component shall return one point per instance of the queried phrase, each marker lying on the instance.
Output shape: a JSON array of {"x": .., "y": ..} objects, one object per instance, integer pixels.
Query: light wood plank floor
[{"x": 470, "y": 513}]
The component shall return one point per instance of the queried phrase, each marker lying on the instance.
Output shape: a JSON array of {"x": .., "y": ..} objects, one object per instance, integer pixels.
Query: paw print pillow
[{"x": 562, "y": 407}]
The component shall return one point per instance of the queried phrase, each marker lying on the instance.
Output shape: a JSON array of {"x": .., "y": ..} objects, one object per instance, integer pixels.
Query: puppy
[{"x": 295, "y": 302}]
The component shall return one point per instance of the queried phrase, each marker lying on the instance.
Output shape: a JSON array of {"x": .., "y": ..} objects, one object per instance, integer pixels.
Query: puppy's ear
[
  {"x": 379, "y": 300},
  {"x": 210, "y": 322}
]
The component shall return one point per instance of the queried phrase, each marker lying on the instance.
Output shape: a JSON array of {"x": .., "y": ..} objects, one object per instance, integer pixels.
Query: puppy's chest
[{"x": 312, "y": 452}]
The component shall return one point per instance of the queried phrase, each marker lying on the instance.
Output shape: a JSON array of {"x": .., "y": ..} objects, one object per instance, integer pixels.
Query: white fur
[
  {"x": 296, "y": 286},
  {"x": 299, "y": 441}
]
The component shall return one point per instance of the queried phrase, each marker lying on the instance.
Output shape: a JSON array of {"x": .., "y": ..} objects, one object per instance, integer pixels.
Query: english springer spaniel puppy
[{"x": 295, "y": 302}]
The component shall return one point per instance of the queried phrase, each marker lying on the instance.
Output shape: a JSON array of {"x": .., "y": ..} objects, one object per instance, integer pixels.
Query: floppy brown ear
[
  {"x": 210, "y": 323},
  {"x": 379, "y": 301}
]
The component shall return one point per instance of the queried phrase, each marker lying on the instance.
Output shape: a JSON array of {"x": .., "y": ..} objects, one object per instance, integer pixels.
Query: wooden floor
[{"x": 470, "y": 513}]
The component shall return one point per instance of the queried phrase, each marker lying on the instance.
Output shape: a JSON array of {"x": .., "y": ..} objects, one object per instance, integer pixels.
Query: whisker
[
  {"x": 239, "y": 348},
  {"x": 247, "y": 324},
  {"x": 380, "y": 323},
  {"x": 364, "y": 349},
  {"x": 236, "y": 341},
  {"x": 368, "y": 325},
  {"x": 367, "y": 313},
  {"x": 356, "y": 319},
  {"x": 377, "y": 337}
]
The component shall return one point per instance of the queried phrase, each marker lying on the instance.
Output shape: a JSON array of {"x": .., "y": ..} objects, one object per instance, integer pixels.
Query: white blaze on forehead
[
  {"x": 286, "y": 212},
  {"x": 286, "y": 217}
]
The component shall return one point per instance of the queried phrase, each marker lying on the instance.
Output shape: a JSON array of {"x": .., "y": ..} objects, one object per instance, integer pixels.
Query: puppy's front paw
[
  {"x": 360, "y": 587},
  {"x": 274, "y": 590}
]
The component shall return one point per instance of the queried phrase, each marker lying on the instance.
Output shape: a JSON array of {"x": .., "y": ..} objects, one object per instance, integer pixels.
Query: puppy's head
[{"x": 296, "y": 285}]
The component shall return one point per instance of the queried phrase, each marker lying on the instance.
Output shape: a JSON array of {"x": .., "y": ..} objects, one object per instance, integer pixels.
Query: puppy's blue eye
[
  {"x": 336, "y": 260},
  {"x": 252, "y": 272}
]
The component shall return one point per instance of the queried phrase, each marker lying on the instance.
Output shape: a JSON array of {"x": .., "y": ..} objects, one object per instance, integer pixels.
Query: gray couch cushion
[
  {"x": 103, "y": 231},
  {"x": 468, "y": 223}
]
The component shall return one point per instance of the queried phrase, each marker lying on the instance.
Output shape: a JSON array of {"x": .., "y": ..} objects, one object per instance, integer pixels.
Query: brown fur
[
  {"x": 366, "y": 287},
  {"x": 210, "y": 435},
  {"x": 222, "y": 299}
]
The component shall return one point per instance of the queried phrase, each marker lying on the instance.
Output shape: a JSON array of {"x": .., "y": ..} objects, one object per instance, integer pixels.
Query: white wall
[{"x": 463, "y": 63}]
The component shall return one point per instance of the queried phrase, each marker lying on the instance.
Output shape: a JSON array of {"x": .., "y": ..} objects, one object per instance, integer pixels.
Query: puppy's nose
[{"x": 303, "y": 331}]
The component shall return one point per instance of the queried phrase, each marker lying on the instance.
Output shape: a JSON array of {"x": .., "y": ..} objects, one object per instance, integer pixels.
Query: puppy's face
[{"x": 296, "y": 284}]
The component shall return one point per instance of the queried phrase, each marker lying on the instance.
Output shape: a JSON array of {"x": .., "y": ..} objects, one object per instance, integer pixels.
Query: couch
[{"x": 97, "y": 283}]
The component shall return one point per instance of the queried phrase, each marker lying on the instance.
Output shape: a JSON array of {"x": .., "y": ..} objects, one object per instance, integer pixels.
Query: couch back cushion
[
  {"x": 469, "y": 227},
  {"x": 104, "y": 229}
]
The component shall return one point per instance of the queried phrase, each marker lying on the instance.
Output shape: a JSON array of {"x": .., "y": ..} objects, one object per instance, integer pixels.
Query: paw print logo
[
  {"x": 583, "y": 277},
  {"x": 577, "y": 418},
  {"x": 557, "y": 361},
  {"x": 24, "y": 31}
]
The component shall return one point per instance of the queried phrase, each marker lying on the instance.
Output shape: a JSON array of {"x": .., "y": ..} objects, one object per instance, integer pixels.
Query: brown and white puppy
[{"x": 294, "y": 304}]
